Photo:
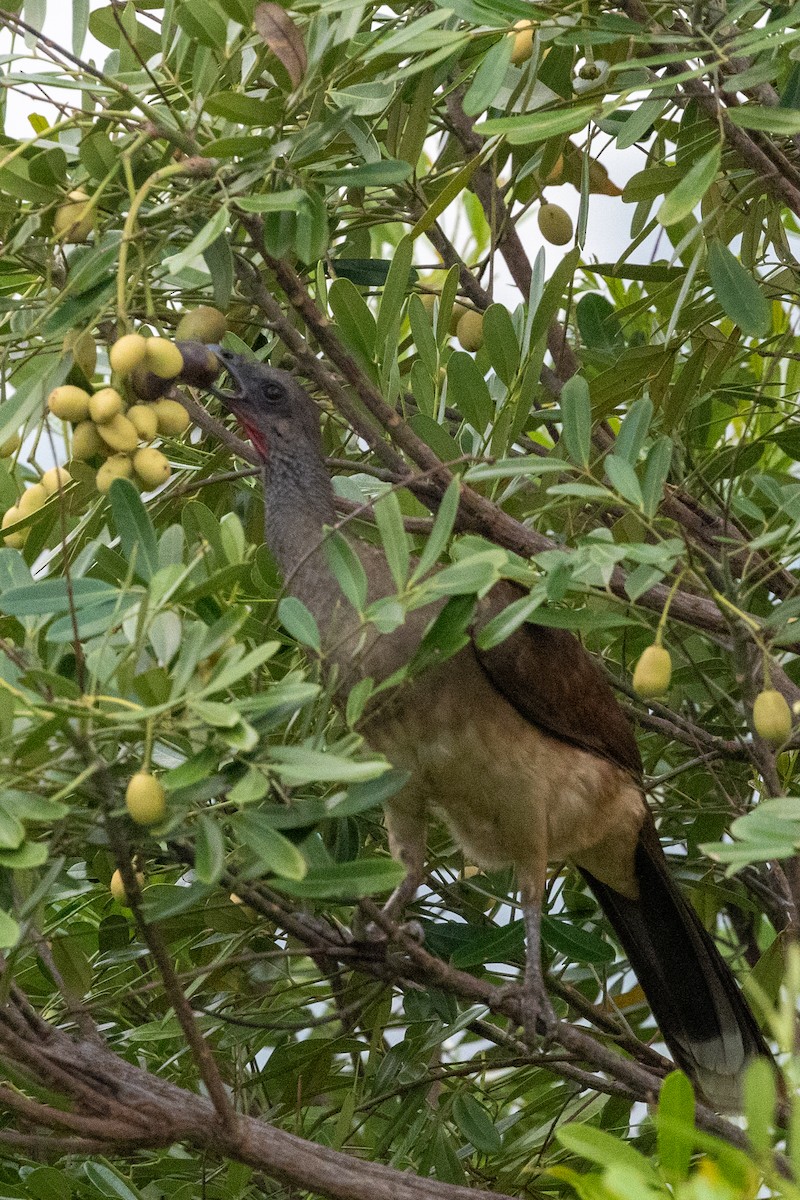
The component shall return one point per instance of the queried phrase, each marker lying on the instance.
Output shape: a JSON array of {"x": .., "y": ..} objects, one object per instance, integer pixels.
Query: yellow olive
[
  {"x": 202, "y": 324},
  {"x": 555, "y": 224},
  {"x": 15, "y": 540},
  {"x": 69, "y": 403},
  {"x": 144, "y": 420},
  {"x": 119, "y": 433},
  {"x": 105, "y": 405},
  {"x": 522, "y": 34},
  {"x": 458, "y": 312},
  {"x": 145, "y": 799},
  {"x": 173, "y": 418},
  {"x": 772, "y": 717},
  {"x": 86, "y": 441},
  {"x": 653, "y": 672},
  {"x": 127, "y": 352},
  {"x": 163, "y": 358},
  {"x": 470, "y": 331},
  {"x": 200, "y": 365},
  {"x": 81, "y": 345},
  {"x": 118, "y": 466},
  {"x": 152, "y": 467},
  {"x": 117, "y": 887},
  {"x": 32, "y": 499},
  {"x": 10, "y": 446},
  {"x": 55, "y": 479},
  {"x": 74, "y": 221}
]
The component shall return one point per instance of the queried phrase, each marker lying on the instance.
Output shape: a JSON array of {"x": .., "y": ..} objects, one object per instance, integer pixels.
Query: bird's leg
[
  {"x": 537, "y": 1008},
  {"x": 406, "y": 826}
]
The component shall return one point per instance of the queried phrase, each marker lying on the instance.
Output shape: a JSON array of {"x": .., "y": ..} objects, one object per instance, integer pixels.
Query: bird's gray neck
[{"x": 299, "y": 503}]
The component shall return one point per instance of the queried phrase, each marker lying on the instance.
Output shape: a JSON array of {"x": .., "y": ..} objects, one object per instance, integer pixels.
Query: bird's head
[{"x": 272, "y": 408}]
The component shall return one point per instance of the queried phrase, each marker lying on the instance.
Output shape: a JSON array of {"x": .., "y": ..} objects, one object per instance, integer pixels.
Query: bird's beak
[{"x": 227, "y": 398}]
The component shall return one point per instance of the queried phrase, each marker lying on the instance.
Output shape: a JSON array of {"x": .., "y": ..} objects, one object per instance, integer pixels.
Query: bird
[{"x": 521, "y": 748}]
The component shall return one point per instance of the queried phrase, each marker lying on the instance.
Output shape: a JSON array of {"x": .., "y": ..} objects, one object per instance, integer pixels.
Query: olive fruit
[
  {"x": 117, "y": 887},
  {"x": 470, "y": 331},
  {"x": 144, "y": 421},
  {"x": 10, "y": 446},
  {"x": 152, "y": 467},
  {"x": 173, "y": 418},
  {"x": 105, "y": 405},
  {"x": 118, "y": 466},
  {"x": 145, "y": 799},
  {"x": 459, "y": 310},
  {"x": 69, "y": 403},
  {"x": 200, "y": 365},
  {"x": 119, "y": 433},
  {"x": 555, "y": 224},
  {"x": 202, "y": 324},
  {"x": 81, "y": 345},
  {"x": 163, "y": 358},
  {"x": 522, "y": 49},
  {"x": 148, "y": 386},
  {"x": 86, "y": 441},
  {"x": 772, "y": 717},
  {"x": 653, "y": 672},
  {"x": 127, "y": 353},
  {"x": 74, "y": 220},
  {"x": 15, "y": 540},
  {"x": 32, "y": 499},
  {"x": 55, "y": 479}
]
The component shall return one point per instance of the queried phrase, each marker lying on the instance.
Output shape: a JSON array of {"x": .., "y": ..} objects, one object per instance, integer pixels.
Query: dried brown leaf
[{"x": 277, "y": 29}]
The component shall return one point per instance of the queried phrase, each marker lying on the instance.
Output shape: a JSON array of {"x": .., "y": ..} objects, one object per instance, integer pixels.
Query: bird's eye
[{"x": 273, "y": 391}]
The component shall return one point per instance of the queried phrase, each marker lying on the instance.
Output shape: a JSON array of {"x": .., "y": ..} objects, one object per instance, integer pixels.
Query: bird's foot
[
  {"x": 539, "y": 1018},
  {"x": 367, "y": 929}
]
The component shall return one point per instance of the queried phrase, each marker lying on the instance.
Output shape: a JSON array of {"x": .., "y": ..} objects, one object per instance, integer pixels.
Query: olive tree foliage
[{"x": 339, "y": 178}]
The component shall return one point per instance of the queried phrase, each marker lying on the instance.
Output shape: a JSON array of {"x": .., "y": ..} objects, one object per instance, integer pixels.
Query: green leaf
[
  {"x": 353, "y": 316},
  {"x": 579, "y": 945},
  {"x": 12, "y": 831},
  {"x": 623, "y": 479},
  {"x": 759, "y": 1102},
  {"x": 50, "y": 596},
  {"x": 393, "y": 537},
  {"x": 395, "y": 289},
  {"x": 500, "y": 341},
  {"x": 476, "y": 573},
  {"x": 301, "y": 764},
  {"x": 10, "y": 931},
  {"x": 687, "y": 194},
  {"x": 675, "y": 1126},
  {"x": 738, "y": 292},
  {"x": 203, "y": 22},
  {"x": 261, "y": 202},
  {"x": 598, "y": 323},
  {"x": 135, "y": 529},
  {"x": 783, "y": 121},
  {"x": 271, "y": 848},
  {"x": 347, "y": 569},
  {"x": 467, "y": 390},
  {"x": 439, "y": 536},
  {"x": 213, "y": 229},
  {"x": 375, "y": 174},
  {"x": 605, "y": 1150},
  {"x": 508, "y": 621},
  {"x": 246, "y": 110},
  {"x": 345, "y": 881},
  {"x": 475, "y": 1124},
  {"x": 489, "y": 77},
  {"x": 576, "y": 416},
  {"x": 656, "y": 472},
  {"x": 539, "y": 125},
  {"x": 299, "y": 623},
  {"x": 634, "y": 430}
]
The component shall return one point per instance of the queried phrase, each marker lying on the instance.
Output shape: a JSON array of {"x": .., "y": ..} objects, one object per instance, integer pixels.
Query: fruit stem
[
  {"x": 662, "y": 620},
  {"x": 149, "y": 730}
]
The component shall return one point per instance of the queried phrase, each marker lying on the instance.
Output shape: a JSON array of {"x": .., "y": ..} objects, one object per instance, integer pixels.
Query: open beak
[{"x": 227, "y": 398}]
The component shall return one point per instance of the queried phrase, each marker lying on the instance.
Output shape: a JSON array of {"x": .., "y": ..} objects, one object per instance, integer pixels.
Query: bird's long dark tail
[{"x": 700, "y": 1011}]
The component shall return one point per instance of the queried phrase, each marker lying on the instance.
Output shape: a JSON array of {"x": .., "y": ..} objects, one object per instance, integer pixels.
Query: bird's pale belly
[{"x": 512, "y": 794}]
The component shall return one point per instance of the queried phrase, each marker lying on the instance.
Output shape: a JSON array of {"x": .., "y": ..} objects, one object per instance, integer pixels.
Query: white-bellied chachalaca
[{"x": 522, "y": 748}]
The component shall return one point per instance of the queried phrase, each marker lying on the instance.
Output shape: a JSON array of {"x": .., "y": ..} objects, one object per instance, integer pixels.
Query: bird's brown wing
[{"x": 551, "y": 680}]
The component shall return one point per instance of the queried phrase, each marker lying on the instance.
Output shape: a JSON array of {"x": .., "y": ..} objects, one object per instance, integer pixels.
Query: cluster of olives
[
  {"x": 146, "y": 802},
  {"x": 32, "y": 499}
]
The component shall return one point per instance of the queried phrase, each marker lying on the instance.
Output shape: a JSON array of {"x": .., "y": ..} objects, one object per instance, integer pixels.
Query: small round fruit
[
  {"x": 200, "y": 365},
  {"x": 555, "y": 224},
  {"x": 144, "y": 420},
  {"x": 173, "y": 418},
  {"x": 119, "y": 433},
  {"x": 74, "y": 220},
  {"x": 148, "y": 386},
  {"x": 163, "y": 358},
  {"x": 127, "y": 353},
  {"x": 202, "y": 324},
  {"x": 458, "y": 312},
  {"x": 10, "y": 446},
  {"x": 105, "y": 405},
  {"x": 653, "y": 672},
  {"x": 69, "y": 403},
  {"x": 118, "y": 466},
  {"x": 522, "y": 34},
  {"x": 15, "y": 540},
  {"x": 152, "y": 467},
  {"x": 55, "y": 480},
  {"x": 32, "y": 499},
  {"x": 117, "y": 887},
  {"x": 145, "y": 799},
  {"x": 81, "y": 345},
  {"x": 86, "y": 441},
  {"x": 470, "y": 331},
  {"x": 772, "y": 717}
]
